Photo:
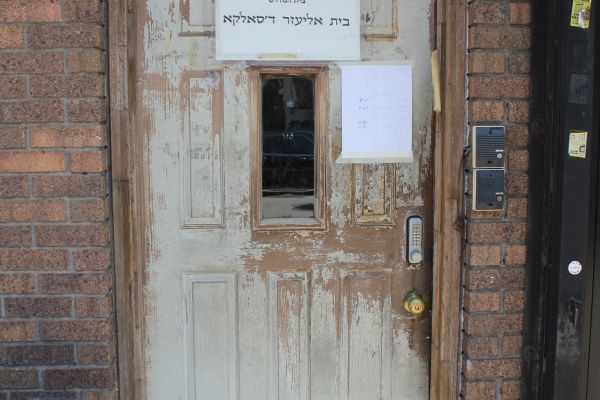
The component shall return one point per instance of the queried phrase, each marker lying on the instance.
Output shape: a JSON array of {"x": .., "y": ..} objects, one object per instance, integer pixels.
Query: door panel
[{"x": 235, "y": 309}]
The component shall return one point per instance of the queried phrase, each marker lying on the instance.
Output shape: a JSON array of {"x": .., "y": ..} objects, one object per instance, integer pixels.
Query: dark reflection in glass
[{"x": 288, "y": 147}]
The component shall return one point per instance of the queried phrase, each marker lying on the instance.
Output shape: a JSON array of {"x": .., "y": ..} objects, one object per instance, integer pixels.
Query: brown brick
[
  {"x": 486, "y": 37},
  {"x": 69, "y": 36},
  {"x": 87, "y": 111},
  {"x": 493, "y": 324},
  {"x": 486, "y": 12},
  {"x": 497, "y": 232},
  {"x": 71, "y": 136},
  {"x": 38, "y": 307},
  {"x": 518, "y": 112},
  {"x": 88, "y": 378},
  {"x": 92, "y": 260},
  {"x": 512, "y": 345},
  {"x": 517, "y": 136},
  {"x": 486, "y": 62},
  {"x": 88, "y": 161},
  {"x": 11, "y": 37},
  {"x": 35, "y": 210},
  {"x": 101, "y": 354},
  {"x": 33, "y": 260},
  {"x": 480, "y": 390},
  {"x": 495, "y": 278},
  {"x": 517, "y": 184},
  {"x": 520, "y": 13},
  {"x": 71, "y": 235},
  {"x": 17, "y": 284},
  {"x": 475, "y": 215},
  {"x": 32, "y": 111},
  {"x": 84, "y": 11},
  {"x": 484, "y": 111},
  {"x": 15, "y": 236},
  {"x": 481, "y": 369},
  {"x": 519, "y": 62},
  {"x": 12, "y": 138},
  {"x": 516, "y": 208},
  {"x": 518, "y": 160},
  {"x": 67, "y": 85},
  {"x": 30, "y": 11},
  {"x": 40, "y": 355},
  {"x": 514, "y": 300},
  {"x": 93, "y": 307},
  {"x": 511, "y": 390},
  {"x": 12, "y": 88},
  {"x": 69, "y": 186},
  {"x": 515, "y": 254},
  {"x": 104, "y": 395},
  {"x": 89, "y": 210},
  {"x": 32, "y": 161},
  {"x": 85, "y": 61},
  {"x": 17, "y": 332},
  {"x": 481, "y": 346},
  {"x": 482, "y": 301},
  {"x": 45, "y": 62},
  {"x": 499, "y": 87},
  {"x": 14, "y": 186},
  {"x": 74, "y": 283},
  {"x": 483, "y": 255},
  {"x": 19, "y": 378},
  {"x": 76, "y": 330},
  {"x": 45, "y": 395}
]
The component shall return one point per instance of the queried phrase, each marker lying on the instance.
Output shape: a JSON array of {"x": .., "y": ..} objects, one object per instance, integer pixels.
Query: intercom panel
[
  {"x": 488, "y": 147},
  {"x": 488, "y": 189}
]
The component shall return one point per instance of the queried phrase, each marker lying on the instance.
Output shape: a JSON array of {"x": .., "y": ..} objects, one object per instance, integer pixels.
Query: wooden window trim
[{"x": 321, "y": 103}]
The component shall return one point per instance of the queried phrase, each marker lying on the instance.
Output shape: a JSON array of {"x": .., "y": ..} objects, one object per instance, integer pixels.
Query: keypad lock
[{"x": 414, "y": 237}]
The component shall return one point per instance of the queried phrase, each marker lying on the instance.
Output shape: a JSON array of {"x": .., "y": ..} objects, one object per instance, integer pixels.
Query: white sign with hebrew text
[
  {"x": 287, "y": 29},
  {"x": 376, "y": 113}
]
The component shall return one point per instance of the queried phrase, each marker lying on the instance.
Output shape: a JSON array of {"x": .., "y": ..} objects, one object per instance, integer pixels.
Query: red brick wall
[
  {"x": 498, "y": 90},
  {"x": 56, "y": 318}
]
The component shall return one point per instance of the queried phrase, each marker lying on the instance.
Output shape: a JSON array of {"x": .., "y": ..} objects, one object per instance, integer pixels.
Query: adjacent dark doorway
[{"x": 562, "y": 327}]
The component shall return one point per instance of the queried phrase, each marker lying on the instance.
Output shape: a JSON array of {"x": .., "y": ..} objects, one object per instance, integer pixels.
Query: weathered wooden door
[{"x": 273, "y": 272}]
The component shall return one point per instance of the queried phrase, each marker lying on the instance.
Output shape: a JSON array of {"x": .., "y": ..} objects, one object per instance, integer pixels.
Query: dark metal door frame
[{"x": 563, "y": 205}]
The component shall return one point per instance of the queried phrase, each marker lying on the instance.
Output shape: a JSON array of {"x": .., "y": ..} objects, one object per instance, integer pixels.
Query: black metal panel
[
  {"x": 562, "y": 205},
  {"x": 543, "y": 112},
  {"x": 488, "y": 146},
  {"x": 593, "y": 315},
  {"x": 488, "y": 189}
]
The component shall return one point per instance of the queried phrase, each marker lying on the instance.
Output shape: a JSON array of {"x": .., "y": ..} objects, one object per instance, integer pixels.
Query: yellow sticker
[
  {"x": 577, "y": 144},
  {"x": 580, "y": 13}
]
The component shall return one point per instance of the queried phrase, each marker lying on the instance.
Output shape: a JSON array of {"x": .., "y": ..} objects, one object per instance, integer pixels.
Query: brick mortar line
[
  {"x": 55, "y": 124},
  {"x": 67, "y": 100}
]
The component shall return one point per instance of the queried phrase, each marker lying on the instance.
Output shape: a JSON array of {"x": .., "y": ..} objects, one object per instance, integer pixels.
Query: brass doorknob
[{"x": 414, "y": 303}]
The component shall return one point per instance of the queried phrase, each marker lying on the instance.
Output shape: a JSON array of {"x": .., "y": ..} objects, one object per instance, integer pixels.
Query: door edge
[
  {"x": 450, "y": 127},
  {"x": 129, "y": 191}
]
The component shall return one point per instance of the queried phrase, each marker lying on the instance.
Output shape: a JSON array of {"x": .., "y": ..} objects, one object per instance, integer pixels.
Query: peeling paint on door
[{"x": 236, "y": 313}]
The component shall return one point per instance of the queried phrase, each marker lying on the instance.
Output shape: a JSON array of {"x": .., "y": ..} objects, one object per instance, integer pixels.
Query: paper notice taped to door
[
  {"x": 580, "y": 14},
  {"x": 577, "y": 144}
]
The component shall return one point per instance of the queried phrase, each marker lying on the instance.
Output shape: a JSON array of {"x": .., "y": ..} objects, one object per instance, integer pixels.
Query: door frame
[{"x": 130, "y": 194}]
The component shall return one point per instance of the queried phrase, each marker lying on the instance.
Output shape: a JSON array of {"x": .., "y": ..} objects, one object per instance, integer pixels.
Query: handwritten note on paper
[
  {"x": 376, "y": 113},
  {"x": 288, "y": 29}
]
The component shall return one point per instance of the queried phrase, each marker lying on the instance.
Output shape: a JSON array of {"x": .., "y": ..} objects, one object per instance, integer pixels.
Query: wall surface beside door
[
  {"x": 56, "y": 308},
  {"x": 499, "y": 41}
]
